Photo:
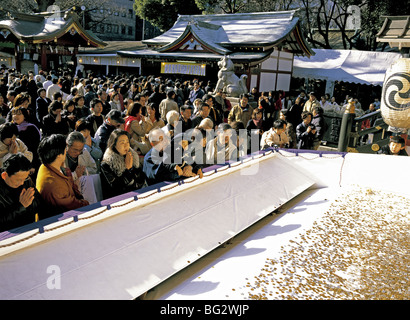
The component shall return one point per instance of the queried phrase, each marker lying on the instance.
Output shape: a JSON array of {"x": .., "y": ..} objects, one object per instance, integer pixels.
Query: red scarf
[{"x": 129, "y": 120}]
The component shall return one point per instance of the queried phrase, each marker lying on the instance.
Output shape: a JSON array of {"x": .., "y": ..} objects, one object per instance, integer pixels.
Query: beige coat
[
  {"x": 21, "y": 147},
  {"x": 309, "y": 105},
  {"x": 167, "y": 105},
  {"x": 237, "y": 114},
  {"x": 270, "y": 138}
]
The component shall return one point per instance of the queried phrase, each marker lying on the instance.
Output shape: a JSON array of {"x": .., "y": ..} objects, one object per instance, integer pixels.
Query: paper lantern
[{"x": 395, "y": 103}]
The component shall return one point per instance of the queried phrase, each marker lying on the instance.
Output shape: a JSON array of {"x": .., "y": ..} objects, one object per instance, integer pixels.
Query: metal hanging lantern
[{"x": 395, "y": 102}]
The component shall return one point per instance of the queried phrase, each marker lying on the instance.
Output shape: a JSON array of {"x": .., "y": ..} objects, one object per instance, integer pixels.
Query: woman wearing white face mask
[{"x": 121, "y": 171}]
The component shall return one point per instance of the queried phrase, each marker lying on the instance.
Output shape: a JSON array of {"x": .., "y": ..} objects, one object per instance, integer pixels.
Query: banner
[{"x": 196, "y": 69}]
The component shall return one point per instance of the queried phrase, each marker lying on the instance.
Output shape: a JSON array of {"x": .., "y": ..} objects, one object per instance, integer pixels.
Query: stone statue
[{"x": 228, "y": 80}]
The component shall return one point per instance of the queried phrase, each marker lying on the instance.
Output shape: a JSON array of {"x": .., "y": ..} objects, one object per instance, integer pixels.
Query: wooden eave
[{"x": 395, "y": 29}]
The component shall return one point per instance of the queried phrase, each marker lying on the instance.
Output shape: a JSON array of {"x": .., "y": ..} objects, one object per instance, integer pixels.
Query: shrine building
[
  {"x": 47, "y": 40},
  {"x": 261, "y": 45}
]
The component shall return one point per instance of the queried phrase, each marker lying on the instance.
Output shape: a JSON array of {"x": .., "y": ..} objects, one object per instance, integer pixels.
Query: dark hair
[
  {"x": 155, "y": 106},
  {"x": 39, "y": 91},
  {"x": 318, "y": 109},
  {"x": 77, "y": 98},
  {"x": 57, "y": 95},
  {"x": 15, "y": 163},
  {"x": 83, "y": 124},
  {"x": 94, "y": 102},
  {"x": 135, "y": 109},
  {"x": 305, "y": 114},
  {"x": 69, "y": 103},
  {"x": 51, "y": 147},
  {"x": 138, "y": 97},
  {"x": 20, "y": 99},
  {"x": 207, "y": 97},
  {"x": 170, "y": 93},
  {"x": 203, "y": 104},
  {"x": 24, "y": 82},
  {"x": 278, "y": 124},
  {"x": 255, "y": 112},
  {"x": 55, "y": 105},
  {"x": 198, "y": 132},
  {"x": 8, "y": 130},
  {"x": 185, "y": 107},
  {"x": 397, "y": 139},
  {"x": 22, "y": 110},
  {"x": 237, "y": 125},
  {"x": 114, "y": 136}
]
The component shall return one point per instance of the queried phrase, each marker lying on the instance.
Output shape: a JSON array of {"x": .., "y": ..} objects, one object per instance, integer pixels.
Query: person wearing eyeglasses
[
  {"x": 83, "y": 167},
  {"x": 20, "y": 201}
]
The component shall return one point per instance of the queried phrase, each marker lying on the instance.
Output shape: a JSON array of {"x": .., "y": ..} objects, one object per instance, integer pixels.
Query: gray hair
[
  {"x": 73, "y": 137},
  {"x": 206, "y": 123},
  {"x": 172, "y": 116},
  {"x": 154, "y": 134}
]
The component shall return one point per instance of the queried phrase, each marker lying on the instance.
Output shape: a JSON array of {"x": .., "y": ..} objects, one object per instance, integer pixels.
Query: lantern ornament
[{"x": 395, "y": 102}]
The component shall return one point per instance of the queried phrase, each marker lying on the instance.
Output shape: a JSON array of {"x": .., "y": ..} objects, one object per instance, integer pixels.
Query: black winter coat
[
  {"x": 12, "y": 212},
  {"x": 116, "y": 179}
]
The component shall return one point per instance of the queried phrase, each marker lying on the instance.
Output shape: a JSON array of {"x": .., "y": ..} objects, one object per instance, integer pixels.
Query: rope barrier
[{"x": 207, "y": 174}]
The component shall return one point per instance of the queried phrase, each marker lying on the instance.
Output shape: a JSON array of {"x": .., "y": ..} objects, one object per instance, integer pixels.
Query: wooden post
[
  {"x": 43, "y": 57},
  {"x": 17, "y": 57}
]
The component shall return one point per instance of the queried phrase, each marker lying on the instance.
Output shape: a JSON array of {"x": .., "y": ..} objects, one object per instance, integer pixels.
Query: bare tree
[
  {"x": 271, "y": 5},
  {"x": 23, "y": 6},
  {"x": 227, "y": 6}
]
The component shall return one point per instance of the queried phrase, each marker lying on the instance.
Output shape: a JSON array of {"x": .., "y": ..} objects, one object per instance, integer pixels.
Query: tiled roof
[
  {"x": 44, "y": 27},
  {"x": 395, "y": 31},
  {"x": 265, "y": 29}
]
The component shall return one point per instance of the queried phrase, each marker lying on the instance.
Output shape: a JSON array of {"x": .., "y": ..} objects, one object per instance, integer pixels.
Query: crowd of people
[{"x": 67, "y": 142}]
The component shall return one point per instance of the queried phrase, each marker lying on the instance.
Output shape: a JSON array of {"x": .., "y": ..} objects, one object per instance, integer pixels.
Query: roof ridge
[{"x": 236, "y": 15}]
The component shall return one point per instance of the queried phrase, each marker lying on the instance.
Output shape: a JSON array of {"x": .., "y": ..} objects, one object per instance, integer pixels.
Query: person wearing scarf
[
  {"x": 121, "y": 171},
  {"x": 28, "y": 132},
  {"x": 256, "y": 125}
]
